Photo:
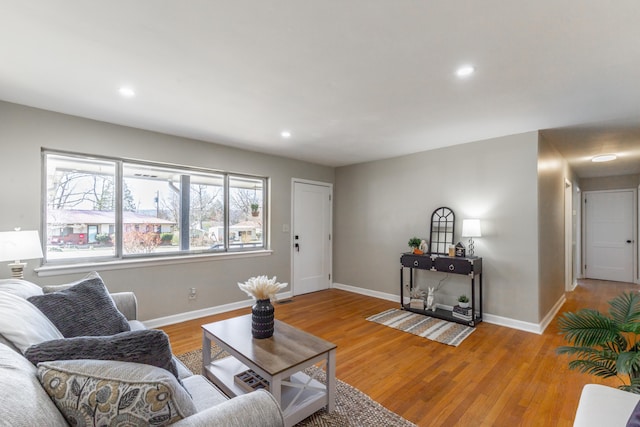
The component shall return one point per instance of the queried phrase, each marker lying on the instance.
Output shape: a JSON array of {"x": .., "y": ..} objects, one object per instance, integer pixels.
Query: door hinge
[
  {"x": 329, "y": 197},
  {"x": 329, "y": 236},
  {"x": 329, "y": 276}
]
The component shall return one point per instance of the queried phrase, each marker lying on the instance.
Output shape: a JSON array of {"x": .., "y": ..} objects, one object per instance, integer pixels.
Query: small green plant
[
  {"x": 255, "y": 207},
  {"x": 463, "y": 298},
  {"x": 414, "y": 242}
]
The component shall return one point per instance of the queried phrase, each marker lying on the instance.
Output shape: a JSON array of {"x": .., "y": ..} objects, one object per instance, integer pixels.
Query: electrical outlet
[{"x": 192, "y": 293}]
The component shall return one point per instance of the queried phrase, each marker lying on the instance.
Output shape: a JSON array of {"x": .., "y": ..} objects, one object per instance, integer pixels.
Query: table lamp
[
  {"x": 471, "y": 229},
  {"x": 19, "y": 245}
]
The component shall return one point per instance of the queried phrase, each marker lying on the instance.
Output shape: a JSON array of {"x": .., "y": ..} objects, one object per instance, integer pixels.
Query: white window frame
[{"x": 121, "y": 260}]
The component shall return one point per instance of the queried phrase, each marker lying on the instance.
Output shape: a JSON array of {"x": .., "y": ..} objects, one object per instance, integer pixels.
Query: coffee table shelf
[
  {"x": 222, "y": 372},
  {"x": 280, "y": 360}
]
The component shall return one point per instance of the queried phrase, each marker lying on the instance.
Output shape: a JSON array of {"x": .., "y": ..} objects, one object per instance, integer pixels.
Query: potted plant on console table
[
  {"x": 414, "y": 244},
  {"x": 463, "y": 301}
]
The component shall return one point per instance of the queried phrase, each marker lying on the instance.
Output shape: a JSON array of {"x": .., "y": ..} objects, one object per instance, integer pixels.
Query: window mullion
[
  {"x": 226, "y": 211},
  {"x": 185, "y": 204},
  {"x": 119, "y": 214},
  {"x": 266, "y": 202}
]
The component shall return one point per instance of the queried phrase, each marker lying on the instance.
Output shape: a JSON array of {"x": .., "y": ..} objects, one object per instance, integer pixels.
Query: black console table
[{"x": 471, "y": 267}]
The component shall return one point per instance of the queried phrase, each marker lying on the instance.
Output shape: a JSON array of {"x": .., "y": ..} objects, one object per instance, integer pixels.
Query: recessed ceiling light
[
  {"x": 604, "y": 158},
  {"x": 465, "y": 71},
  {"x": 285, "y": 134},
  {"x": 127, "y": 92}
]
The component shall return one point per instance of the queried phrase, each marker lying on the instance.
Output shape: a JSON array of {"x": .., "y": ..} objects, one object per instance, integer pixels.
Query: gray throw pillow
[
  {"x": 85, "y": 309},
  {"x": 150, "y": 346}
]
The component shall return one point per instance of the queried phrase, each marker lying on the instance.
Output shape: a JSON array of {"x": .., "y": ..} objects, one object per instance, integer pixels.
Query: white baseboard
[
  {"x": 196, "y": 314},
  {"x": 489, "y": 318},
  {"x": 574, "y": 285},
  {"x": 511, "y": 323},
  {"x": 367, "y": 292},
  {"x": 536, "y": 328},
  {"x": 546, "y": 321}
]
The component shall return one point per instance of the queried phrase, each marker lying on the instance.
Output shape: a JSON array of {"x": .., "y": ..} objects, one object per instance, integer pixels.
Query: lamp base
[
  {"x": 17, "y": 269},
  {"x": 470, "y": 248}
]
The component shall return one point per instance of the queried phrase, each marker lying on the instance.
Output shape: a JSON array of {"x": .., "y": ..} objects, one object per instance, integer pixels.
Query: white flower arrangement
[
  {"x": 416, "y": 293},
  {"x": 261, "y": 287}
]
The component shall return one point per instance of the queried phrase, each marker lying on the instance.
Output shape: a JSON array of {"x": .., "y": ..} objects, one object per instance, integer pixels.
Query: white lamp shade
[
  {"x": 471, "y": 228},
  {"x": 19, "y": 245}
]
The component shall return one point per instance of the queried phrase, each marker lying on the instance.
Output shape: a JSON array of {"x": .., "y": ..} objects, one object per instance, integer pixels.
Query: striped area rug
[{"x": 444, "y": 332}]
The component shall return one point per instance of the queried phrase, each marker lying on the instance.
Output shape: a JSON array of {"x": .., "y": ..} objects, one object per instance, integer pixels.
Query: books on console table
[
  {"x": 462, "y": 310},
  {"x": 461, "y": 316},
  {"x": 465, "y": 313}
]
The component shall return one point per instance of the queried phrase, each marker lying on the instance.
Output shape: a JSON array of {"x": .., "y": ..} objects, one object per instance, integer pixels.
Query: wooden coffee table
[{"x": 279, "y": 360}]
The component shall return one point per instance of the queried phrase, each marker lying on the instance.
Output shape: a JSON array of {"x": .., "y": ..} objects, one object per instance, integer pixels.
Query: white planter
[{"x": 463, "y": 304}]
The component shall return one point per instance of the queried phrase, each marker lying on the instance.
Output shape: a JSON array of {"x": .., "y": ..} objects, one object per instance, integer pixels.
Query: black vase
[{"x": 262, "y": 319}]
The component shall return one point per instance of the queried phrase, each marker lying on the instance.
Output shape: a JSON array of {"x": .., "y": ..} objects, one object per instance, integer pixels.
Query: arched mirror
[{"x": 442, "y": 228}]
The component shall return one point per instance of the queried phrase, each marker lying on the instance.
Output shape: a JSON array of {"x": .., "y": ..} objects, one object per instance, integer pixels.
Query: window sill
[{"x": 61, "y": 269}]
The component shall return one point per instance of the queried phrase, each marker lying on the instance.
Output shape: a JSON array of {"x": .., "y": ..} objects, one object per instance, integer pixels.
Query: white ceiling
[{"x": 353, "y": 80}]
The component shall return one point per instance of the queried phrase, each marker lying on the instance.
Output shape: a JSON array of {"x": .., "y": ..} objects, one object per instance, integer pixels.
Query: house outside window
[{"x": 101, "y": 208}]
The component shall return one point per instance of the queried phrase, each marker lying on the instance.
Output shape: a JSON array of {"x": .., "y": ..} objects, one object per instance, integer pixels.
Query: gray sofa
[
  {"x": 25, "y": 390},
  {"x": 601, "y": 405}
]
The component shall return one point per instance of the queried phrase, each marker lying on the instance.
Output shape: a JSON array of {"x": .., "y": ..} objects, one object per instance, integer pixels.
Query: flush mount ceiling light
[
  {"x": 285, "y": 134},
  {"x": 126, "y": 92},
  {"x": 604, "y": 158},
  {"x": 465, "y": 71}
]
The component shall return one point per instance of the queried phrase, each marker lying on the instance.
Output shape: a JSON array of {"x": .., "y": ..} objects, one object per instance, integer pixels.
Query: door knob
[
  {"x": 297, "y": 246},
  {"x": 629, "y": 241}
]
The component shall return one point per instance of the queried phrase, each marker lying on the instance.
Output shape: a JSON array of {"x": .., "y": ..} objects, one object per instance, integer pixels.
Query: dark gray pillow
[
  {"x": 634, "y": 418},
  {"x": 148, "y": 346},
  {"x": 85, "y": 309}
]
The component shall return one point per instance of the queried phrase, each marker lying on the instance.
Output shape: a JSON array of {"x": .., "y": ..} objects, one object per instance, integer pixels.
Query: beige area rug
[
  {"x": 353, "y": 408},
  {"x": 444, "y": 332}
]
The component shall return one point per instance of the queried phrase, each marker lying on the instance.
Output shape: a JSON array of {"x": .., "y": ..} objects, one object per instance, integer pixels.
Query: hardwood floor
[{"x": 497, "y": 377}]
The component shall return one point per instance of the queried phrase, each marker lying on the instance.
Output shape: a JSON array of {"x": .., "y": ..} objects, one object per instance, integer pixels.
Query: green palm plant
[{"x": 606, "y": 346}]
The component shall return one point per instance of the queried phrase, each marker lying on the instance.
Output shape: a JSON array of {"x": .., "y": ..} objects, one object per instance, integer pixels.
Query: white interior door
[
  {"x": 311, "y": 236},
  {"x": 609, "y": 241}
]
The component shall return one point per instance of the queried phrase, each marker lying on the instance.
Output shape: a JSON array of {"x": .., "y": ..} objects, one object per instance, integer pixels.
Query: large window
[{"x": 114, "y": 208}]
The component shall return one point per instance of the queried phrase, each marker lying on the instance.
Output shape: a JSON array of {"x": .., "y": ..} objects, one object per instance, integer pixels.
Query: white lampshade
[
  {"x": 18, "y": 245},
  {"x": 471, "y": 228}
]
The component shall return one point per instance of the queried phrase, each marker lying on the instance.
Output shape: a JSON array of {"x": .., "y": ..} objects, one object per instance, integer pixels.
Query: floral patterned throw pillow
[{"x": 100, "y": 393}]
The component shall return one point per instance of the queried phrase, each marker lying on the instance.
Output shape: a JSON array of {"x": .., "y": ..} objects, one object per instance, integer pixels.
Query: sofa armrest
[
  {"x": 257, "y": 408},
  {"x": 601, "y": 405},
  {"x": 127, "y": 304}
]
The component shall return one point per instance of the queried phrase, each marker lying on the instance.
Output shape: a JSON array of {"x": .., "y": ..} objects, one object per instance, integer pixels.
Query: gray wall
[
  {"x": 380, "y": 205},
  {"x": 161, "y": 290},
  {"x": 610, "y": 183},
  {"x": 552, "y": 170}
]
